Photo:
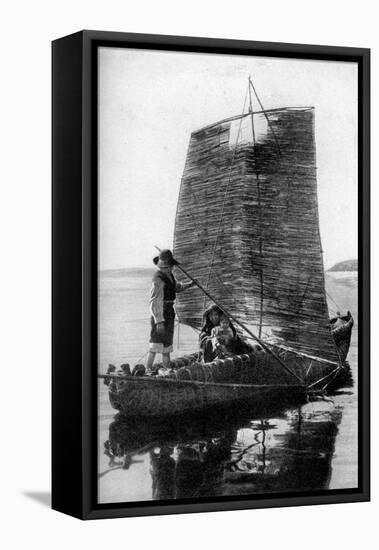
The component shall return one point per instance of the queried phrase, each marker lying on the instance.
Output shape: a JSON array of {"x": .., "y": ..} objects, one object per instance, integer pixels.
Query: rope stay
[
  {"x": 334, "y": 302},
  {"x": 266, "y": 115}
]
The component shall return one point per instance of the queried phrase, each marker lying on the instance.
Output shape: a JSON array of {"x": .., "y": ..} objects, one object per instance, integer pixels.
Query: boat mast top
[{"x": 244, "y": 115}]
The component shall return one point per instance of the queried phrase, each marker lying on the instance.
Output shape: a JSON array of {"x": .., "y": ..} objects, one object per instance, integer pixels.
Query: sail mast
[
  {"x": 224, "y": 200},
  {"x": 265, "y": 114},
  {"x": 259, "y": 211}
]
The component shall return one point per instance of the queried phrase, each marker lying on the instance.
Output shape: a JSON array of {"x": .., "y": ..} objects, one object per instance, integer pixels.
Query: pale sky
[{"x": 151, "y": 101}]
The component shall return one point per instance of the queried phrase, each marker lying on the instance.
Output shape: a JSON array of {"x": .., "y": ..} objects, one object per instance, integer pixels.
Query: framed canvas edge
[
  {"x": 67, "y": 364},
  {"x": 88, "y": 237},
  {"x": 198, "y": 506}
]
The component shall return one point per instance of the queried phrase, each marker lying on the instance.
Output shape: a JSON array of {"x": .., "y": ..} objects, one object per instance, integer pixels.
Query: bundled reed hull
[
  {"x": 148, "y": 396},
  {"x": 253, "y": 377}
]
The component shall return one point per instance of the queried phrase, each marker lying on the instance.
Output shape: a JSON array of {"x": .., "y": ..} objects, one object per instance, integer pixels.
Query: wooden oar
[{"x": 237, "y": 322}]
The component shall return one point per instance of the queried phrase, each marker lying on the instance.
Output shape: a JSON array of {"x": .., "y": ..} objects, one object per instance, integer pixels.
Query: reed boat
[{"x": 247, "y": 233}]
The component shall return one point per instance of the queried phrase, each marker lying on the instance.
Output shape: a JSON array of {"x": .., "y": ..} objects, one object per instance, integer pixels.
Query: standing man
[{"x": 163, "y": 293}]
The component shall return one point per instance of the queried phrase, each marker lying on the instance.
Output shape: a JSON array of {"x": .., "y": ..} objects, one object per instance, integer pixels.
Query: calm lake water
[{"x": 298, "y": 447}]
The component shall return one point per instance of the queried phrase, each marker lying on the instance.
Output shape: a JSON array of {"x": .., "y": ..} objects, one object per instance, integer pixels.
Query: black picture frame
[{"x": 74, "y": 271}]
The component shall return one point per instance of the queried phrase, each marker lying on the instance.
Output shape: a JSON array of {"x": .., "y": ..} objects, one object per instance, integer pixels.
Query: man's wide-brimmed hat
[{"x": 165, "y": 259}]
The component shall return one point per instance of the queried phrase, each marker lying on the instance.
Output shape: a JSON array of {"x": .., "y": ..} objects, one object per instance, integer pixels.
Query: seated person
[{"x": 211, "y": 320}]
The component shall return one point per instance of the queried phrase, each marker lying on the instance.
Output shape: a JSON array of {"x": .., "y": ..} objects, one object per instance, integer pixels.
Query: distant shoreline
[{"x": 119, "y": 272}]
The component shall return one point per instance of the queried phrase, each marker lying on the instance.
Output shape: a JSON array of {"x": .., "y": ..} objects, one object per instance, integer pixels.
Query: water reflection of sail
[
  {"x": 298, "y": 459},
  {"x": 162, "y": 473},
  {"x": 189, "y": 472}
]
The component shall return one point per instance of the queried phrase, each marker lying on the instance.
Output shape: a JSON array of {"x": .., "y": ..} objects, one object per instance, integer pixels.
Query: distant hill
[{"x": 347, "y": 265}]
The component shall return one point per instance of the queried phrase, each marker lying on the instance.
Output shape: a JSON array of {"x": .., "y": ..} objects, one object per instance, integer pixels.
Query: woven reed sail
[{"x": 247, "y": 228}]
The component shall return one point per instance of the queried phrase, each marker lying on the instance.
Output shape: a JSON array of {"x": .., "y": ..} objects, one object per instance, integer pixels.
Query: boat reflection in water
[{"x": 227, "y": 453}]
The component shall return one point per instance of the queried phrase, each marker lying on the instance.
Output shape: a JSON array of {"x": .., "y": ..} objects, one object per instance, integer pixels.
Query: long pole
[{"x": 244, "y": 327}]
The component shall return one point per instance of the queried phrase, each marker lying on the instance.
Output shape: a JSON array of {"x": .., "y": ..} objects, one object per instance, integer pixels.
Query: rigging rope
[
  {"x": 334, "y": 302},
  {"x": 265, "y": 114},
  {"x": 335, "y": 372}
]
